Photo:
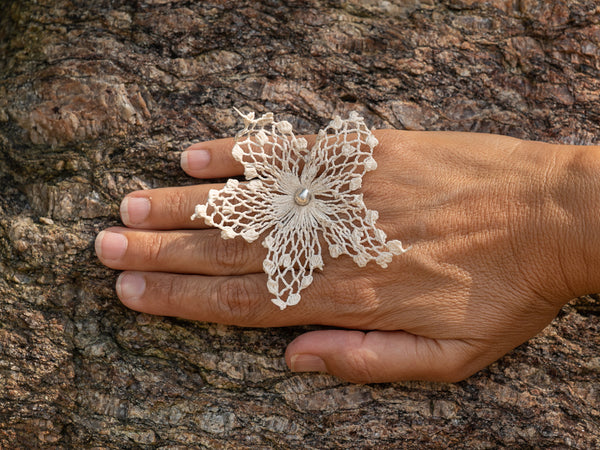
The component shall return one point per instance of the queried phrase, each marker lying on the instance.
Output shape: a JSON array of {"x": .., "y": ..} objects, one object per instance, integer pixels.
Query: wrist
[{"x": 570, "y": 206}]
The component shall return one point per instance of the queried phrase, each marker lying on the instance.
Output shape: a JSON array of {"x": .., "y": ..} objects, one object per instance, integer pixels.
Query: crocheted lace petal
[
  {"x": 268, "y": 149},
  {"x": 289, "y": 266},
  {"x": 239, "y": 209},
  {"x": 352, "y": 231},
  {"x": 342, "y": 152}
]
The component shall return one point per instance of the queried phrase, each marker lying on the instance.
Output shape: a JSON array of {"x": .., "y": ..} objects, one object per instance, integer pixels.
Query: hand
[{"x": 491, "y": 261}]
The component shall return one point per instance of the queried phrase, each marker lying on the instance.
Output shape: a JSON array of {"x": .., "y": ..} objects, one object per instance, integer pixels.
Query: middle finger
[{"x": 165, "y": 208}]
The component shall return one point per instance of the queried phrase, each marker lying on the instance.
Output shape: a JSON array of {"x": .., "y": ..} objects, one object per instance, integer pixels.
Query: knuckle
[
  {"x": 233, "y": 300},
  {"x": 345, "y": 289},
  {"x": 170, "y": 292},
  {"x": 176, "y": 202},
  {"x": 154, "y": 246},
  {"x": 359, "y": 368},
  {"x": 353, "y": 295},
  {"x": 229, "y": 254}
]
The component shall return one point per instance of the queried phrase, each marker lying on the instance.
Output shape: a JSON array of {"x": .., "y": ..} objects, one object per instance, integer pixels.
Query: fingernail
[
  {"x": 192, "y": 160},
  {"x": 134, "y": 210},
  {"x": 130, "y": 286},
  {"x": 307, "y": 363},
  {"x": 110, "y": 245}
]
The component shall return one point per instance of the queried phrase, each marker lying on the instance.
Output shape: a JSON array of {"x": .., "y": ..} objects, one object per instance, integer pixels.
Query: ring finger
[
  {"x": 182, "y": 251},
  {"x": 165, "y": 208}
]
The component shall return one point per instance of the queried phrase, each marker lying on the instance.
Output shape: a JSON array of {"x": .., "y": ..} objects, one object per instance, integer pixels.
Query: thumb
[{"x": 379, "y": 356}]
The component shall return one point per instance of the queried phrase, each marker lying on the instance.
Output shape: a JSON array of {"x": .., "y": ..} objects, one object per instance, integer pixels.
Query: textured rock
[{"x": 98, "y": 98}]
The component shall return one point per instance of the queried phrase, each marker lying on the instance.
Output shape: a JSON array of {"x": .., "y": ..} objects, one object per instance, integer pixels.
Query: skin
[{"x": 501, "y": 234}]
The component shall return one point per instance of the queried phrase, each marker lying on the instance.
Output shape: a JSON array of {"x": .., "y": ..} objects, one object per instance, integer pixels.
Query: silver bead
[{"x": 302, "y": 197}]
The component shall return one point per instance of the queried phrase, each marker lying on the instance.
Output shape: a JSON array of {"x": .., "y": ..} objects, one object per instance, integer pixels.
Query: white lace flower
[{"x": 296, "y": 194}]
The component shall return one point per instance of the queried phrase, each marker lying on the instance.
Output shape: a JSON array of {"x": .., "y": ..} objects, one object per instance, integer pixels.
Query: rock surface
[{"x": 98, "y": 99}]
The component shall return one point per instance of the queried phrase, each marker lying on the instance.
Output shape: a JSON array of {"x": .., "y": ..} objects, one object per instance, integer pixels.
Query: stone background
[{"x": 97, "y": 98}]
